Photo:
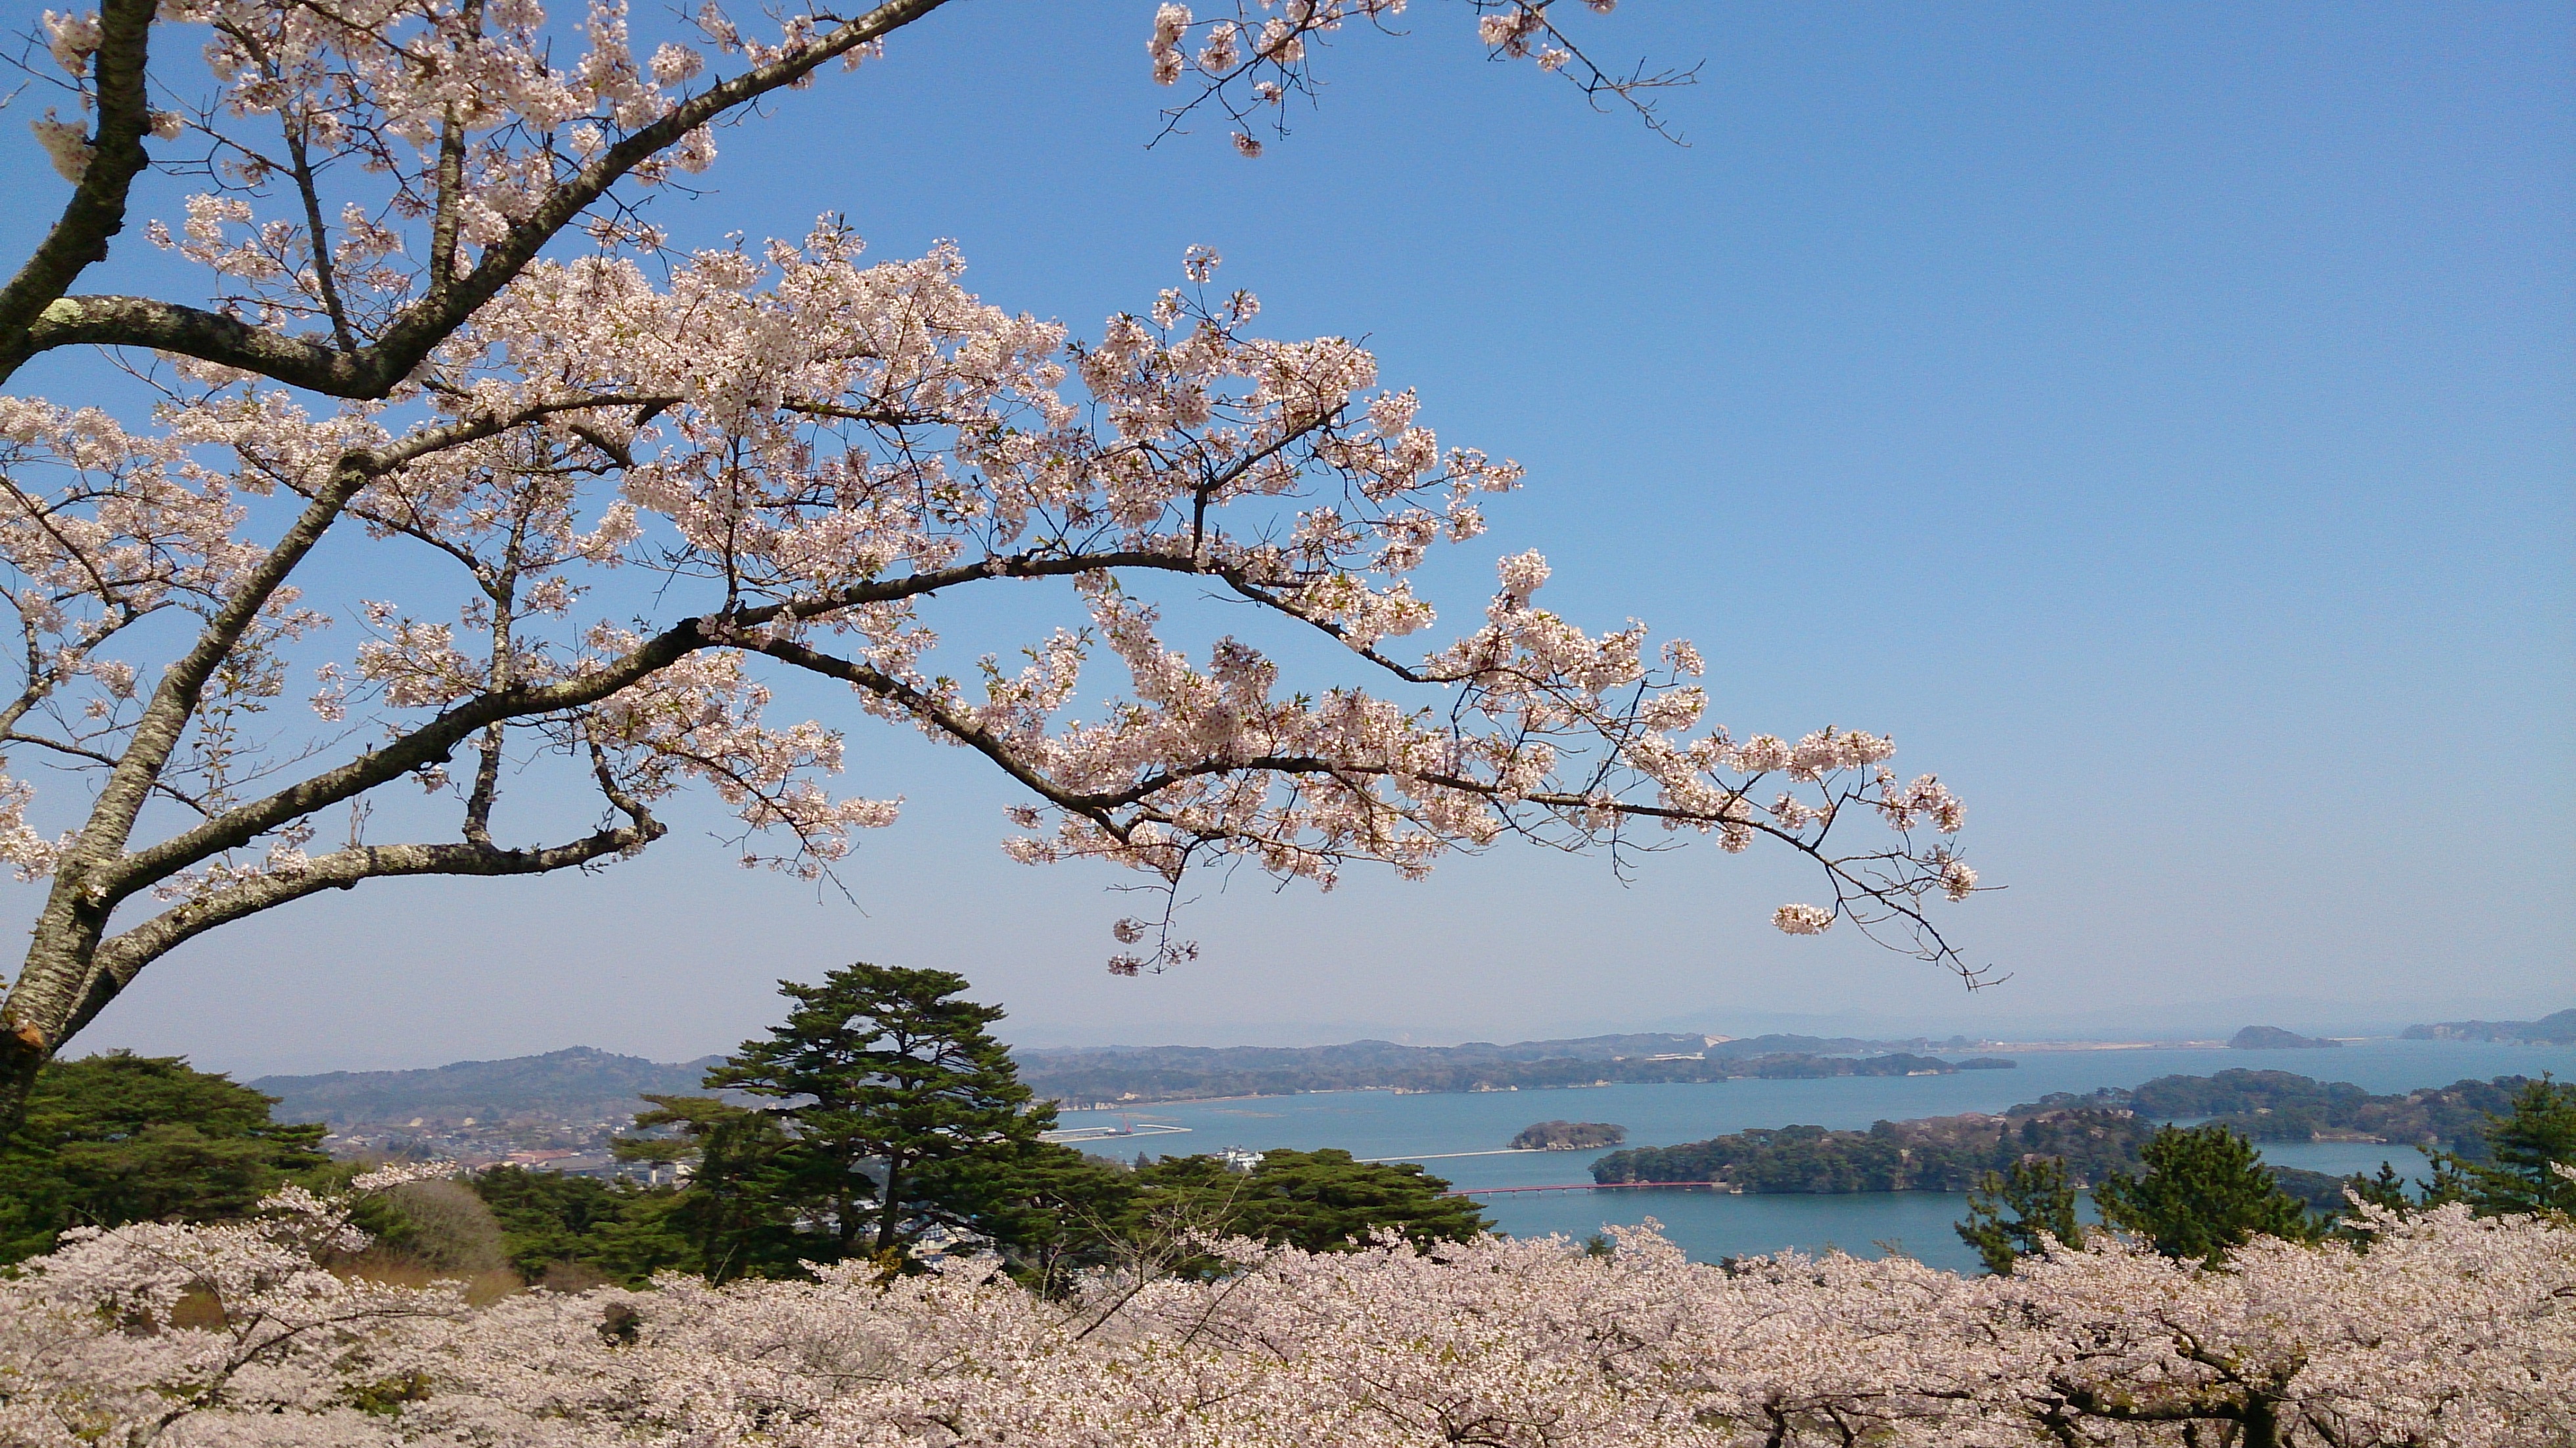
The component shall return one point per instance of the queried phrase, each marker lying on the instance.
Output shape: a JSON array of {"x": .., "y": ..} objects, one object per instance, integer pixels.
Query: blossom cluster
[
  {"x": 1247, "y": 63},
  {"x": 2446, "y": 1332},
  {"x": 816, "y": 445},
  {"x": 613, "y": 494}
]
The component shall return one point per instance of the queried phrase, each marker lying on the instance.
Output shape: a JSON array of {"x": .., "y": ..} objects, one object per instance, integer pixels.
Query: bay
[{"x": 1459, "y": 1136}]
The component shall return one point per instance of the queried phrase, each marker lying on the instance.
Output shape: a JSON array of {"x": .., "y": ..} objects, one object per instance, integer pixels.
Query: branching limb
[
  {"x": 96, "y": 211},
  {"x": 376, "y": 369},
  {"x": 120, "y": 957},
  {"x": 103, "y": 760}
]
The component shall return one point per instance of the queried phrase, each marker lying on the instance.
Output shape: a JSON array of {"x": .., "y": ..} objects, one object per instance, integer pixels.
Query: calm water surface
[{"x": 1433, "y": 1128}]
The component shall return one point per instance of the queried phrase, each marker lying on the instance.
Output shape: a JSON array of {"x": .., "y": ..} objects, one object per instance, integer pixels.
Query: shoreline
[{"x": 1141, "y": 1105}]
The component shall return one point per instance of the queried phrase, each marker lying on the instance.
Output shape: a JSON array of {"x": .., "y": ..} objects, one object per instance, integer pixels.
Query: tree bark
[
  {"x": 96, "y": 211},
  {"x": 890, "y": 1215}
]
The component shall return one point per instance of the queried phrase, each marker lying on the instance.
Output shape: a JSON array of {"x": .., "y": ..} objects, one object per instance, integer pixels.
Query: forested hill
[
  {"x": 580, "y": 1081},
  {"x": 2556, "y": 1029},
  {"x": 1935, "y": 1154},
  {"x": 1176, "y": 1073},
  {"x": 2092, "y": 1133},
  {"x": 2283, "y": 1106}
]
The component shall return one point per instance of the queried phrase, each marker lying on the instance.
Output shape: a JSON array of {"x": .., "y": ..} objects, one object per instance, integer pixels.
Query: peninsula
[{"x": 1135, "y": 1075}]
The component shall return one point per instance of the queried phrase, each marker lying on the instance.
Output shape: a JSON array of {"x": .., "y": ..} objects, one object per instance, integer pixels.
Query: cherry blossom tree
[
  {"x": 436, "y": 323},
  {"x": 2449, "y": 1331}
]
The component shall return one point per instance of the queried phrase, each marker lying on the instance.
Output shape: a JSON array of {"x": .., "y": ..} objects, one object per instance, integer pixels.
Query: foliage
[
  {"x": 1568, "y": 1136},
  {"x": 2205, "y": 1192},
  {"x": 445, "y": 1226},
  {"x": 1942, "y": 1153},
  {"x": 2452, "y": 1331},
  {"x": 879, "y": 1072},
  {"x": 2041, "y": 1199},
  {"x": 2529, "y": 1152},
  {"x": 623, "y": 1232},
  {"x": 122, "y": 1138},
  {"x": 2320, "y": 1192},
  {"x": 1316, "y": 1201},
  {"x": 1049, "y": 1211},
  {"x": 735, "y": 1215},
  {"x": 2385, "y": 1190},
  {"x": 2285, "y": 1106},
  {"x": 901, "y": 1127}
]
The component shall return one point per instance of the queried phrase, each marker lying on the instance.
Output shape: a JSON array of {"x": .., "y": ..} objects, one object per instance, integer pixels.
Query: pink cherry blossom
[
  {"x": 627, "y": 493},
  {"x": 2447, "y": 1331}
]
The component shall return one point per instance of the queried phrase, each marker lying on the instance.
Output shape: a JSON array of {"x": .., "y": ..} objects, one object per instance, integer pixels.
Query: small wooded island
[
  {"x": 1569, "y": 1136},
  {"x": 2273, "y": 1038}
]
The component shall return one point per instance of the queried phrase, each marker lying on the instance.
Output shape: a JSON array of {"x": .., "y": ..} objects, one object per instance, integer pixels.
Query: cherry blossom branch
[
  {"x": 96, "y": 211},
  {"x": 1270, "y": 55},
  {"x": 433, "y": 742},
  {"x": 1856, "y": 896},
  {"x": 174, "y": 701},
  {"x": 123, "y": 955},
  {"x": 318, "y": 245},
  {"x": 104, "y": 760},
  {"x": 1523, "y": 30},
  {"x": 377, "y": 368}
]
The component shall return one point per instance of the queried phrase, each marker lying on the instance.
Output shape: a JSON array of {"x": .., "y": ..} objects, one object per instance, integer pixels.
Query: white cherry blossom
[
  {"x": 2447, "y": 1332},
  {"x": 619, "y": 494}
]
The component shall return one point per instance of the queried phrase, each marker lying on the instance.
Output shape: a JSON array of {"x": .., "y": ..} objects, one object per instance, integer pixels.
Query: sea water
[{"x": 1460, "y": 1136}]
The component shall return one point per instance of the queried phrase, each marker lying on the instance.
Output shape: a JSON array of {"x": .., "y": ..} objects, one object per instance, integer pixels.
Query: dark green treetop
[
  {"x": 880, "y": 1071},
  {"x": 558, "y": 1228},
  {"x": 2041, "y": 1200},
  {"x": 2385, "y": 1189},
  {"x": 2525, "y": 1146},
  {"x": 2205, "y": 1191},
  {"x": 1322, "y": 1201},
  {"x": 123, "y": 1138},
  {"x": 1050, "y": 1211},
  {"x": 738, "y": 1213}
]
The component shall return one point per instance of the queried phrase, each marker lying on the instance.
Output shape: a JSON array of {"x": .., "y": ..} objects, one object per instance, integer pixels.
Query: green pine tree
[
  {"x": 557, "y": 1228},
  {"x": 123, "y": 1138},
  {"x": 1050, "y": 1211},
  {"x": 736, "y": 1214},
  {"x": 2525, "y": 1147},
  {"x": 2041, "y": 1199},
  {"x": 2387, "y": 1189},
  {"x": 2205, "y": 1192},
  {"x": 1325, "y": 1200},
  {"x": 880, "y": 1073},
  {"x": 1321, "y": 1201}
]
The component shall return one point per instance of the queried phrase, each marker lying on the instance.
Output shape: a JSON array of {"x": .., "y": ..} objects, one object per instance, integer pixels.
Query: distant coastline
[
  {"x": 561, "y": 1108},
  {"x": 1112, "y": 1078},
  {"x": 2091, "y": 1132}
]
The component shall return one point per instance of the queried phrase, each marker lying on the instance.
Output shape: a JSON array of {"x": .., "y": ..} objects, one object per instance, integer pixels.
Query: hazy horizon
[{"x": 2210, "y": 1021}]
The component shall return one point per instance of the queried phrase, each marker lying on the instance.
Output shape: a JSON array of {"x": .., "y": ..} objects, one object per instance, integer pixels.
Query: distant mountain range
[
  {"x": 2558, "y": 1030},
  {"x": 1139, "y": 1074},
  {"x": 583, "y": 1083},
  {"x": 579, "y": 1082}
]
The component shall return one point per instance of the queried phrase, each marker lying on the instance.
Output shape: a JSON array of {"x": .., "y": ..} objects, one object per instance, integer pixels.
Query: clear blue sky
[{"x": 2158, "y": 418}]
